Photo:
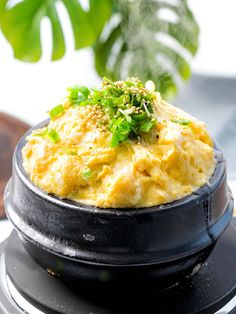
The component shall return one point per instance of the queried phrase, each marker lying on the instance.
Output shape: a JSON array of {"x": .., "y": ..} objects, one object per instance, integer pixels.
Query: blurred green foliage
[{"x": 126, "y": 36}]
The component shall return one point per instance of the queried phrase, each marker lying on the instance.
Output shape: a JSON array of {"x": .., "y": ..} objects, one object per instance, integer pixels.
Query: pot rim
[{"x": 128, "y": 211}]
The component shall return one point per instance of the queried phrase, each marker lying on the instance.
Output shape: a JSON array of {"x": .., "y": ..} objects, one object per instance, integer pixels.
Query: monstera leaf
[
  {"x": 21, "y": 25},
  {"x": 150, "y": 39}
]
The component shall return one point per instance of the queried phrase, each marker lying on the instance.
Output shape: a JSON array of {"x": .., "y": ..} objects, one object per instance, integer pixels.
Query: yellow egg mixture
[{"x": 171, "y": 162}]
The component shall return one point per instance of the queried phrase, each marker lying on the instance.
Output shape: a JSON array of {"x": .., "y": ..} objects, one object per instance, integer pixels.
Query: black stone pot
[{"x": 80, "y": 243}]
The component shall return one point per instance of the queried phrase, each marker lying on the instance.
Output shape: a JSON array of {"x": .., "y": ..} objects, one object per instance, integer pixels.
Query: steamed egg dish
[{"x": 119, "y": 146}]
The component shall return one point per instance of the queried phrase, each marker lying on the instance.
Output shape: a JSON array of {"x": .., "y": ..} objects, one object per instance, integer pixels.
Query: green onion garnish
[
  {"x": 127, "y": 104},
  {"x": 78, "y": 94},
  {"x": 56, "y": 111},
  {"x": 121, "y": 129},
  {"x": 181, "y": 121},
  {"x": 146, "y": 126},
  {"x": 51, "y": 134},
  {"x": 43, "y": 133},
  {"x": 86, "y": 173}
]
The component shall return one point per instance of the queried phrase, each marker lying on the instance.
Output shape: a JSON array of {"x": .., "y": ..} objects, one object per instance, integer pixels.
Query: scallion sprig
[
  {"x": 78, "y": 94},
  {"x": 51, "y": 134},
  {"x": 56, "y": 111}
]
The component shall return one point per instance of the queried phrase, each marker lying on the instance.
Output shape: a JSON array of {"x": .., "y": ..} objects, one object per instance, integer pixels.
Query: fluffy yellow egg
[{"x": 171, "y": 161}]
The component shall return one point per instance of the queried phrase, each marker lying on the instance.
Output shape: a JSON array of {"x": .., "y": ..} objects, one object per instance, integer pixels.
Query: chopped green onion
[
  {"x": 127, "y": 104},
  {"x": 78, "y": 94},
  {"x": 181, "y": 121},
  {"x": 86, "y": 173},
  {"x": 56, "y": 111},
  {"x": 139, "y": 117},
  {"x": 51, "y": 134},
  {"x": 115, "y": 140},
  {"x": 43, "y": 133},
  {"x": 121, "y": 130},
  {"x": 146, "y": 126}
]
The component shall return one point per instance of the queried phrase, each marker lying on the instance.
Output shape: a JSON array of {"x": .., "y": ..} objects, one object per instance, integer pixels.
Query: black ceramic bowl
[{"x": 81, "y": 243}]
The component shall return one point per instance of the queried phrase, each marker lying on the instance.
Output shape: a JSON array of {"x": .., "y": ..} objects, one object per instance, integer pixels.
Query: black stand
[{"x": 208, "y": 291}]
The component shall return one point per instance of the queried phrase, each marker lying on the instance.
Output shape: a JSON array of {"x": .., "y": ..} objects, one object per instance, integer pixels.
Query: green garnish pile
[{"x": 128, "y": 104}]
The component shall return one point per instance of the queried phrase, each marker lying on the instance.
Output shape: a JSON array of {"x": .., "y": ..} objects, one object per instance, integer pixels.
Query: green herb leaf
[
  {"x": 181, "y": 121},
  {"x": 86, "y": 173},
  {"x": 56, "y": 111}
]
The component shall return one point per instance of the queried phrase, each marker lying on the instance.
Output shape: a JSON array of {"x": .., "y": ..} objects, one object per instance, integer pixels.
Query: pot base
[
  {"x": 159, "y": 276},
  {"x": 206, "y": 292}
]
